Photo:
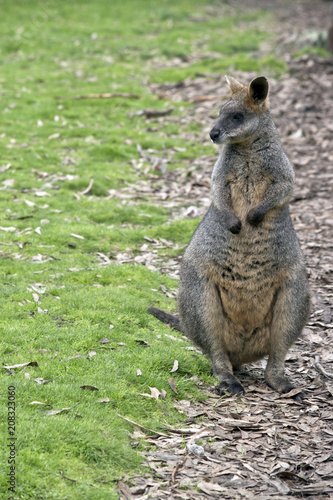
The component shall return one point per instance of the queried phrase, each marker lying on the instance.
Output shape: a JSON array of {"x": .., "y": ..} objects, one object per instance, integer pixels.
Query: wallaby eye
[{"x": 238, "y": 117}]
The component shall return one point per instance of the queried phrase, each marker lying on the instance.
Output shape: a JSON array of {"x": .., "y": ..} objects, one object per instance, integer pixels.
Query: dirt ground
[{"x": 261, "y": 445}]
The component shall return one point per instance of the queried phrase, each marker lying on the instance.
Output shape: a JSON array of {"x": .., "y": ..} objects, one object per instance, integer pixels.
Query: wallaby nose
[{"x": 214, "y": 133}]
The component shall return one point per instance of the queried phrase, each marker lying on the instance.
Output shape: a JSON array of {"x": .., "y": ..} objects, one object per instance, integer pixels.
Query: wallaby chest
[{"x": 247, "y": 182}]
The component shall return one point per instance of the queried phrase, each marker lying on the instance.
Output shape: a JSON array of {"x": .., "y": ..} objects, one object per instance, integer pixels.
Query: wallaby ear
[
  {"x": 234, "y": 85},
  {"x": 258, "y": 90}
]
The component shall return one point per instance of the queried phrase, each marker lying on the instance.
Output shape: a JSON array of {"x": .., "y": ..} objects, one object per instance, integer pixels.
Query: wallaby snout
[{"x": 214, "y": 134}]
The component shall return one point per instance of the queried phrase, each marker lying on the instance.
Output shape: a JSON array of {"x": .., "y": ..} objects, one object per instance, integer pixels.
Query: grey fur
[{"x": 243, "y": 290}]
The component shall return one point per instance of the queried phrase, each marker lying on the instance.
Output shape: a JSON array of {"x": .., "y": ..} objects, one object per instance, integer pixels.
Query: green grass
[{"x": 51, "y": 51}]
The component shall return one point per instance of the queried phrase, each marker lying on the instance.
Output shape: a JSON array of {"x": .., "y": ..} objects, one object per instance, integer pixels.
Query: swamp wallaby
[{"x": 243, "y": 291}]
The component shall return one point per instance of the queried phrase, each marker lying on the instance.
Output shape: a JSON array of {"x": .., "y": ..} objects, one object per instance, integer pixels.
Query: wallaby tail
[{"x": 171, "y": 320}]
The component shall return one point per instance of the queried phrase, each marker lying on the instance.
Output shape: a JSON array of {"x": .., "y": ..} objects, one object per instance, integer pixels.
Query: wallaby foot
[
  {"x": 282, "y": 384},
  {"x": 223, "y": 371},
  {"x": 290, "y": 313},
  {"x": 232, "y": 386}
]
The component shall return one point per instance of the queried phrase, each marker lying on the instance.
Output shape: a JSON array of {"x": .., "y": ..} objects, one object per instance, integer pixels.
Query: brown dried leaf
[
  {"x": 74, "y": 357},
  {"x": 11, "y": 367},
  {"x": 172, "y": 384},
  {"x": 42, "y": 381},
  {"x": 154, "y": 393},
  {"x": 56, "y": 412},
  {"x": 38, "y": 403}
]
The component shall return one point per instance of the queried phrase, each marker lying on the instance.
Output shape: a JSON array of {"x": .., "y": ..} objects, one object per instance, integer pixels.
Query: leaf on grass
[
  {"x": 30, "y": 203},
  {"x": 9, "y": 229},
  {"x": 74, "y": 357},
  {"x": 78, "y": 236},
  {"x": 31, "y": 363},
  {"x": 175, "y": 366},
  {"x": 38, "y": 230},
  {"x": 92, "y": 353},
  {"x": 143, "y": 342},
  {"x": 42, "y": 194},
  {"x": 38, "y": 287},
  {"x": 27, "y": 375},
  {"x": 106, "y": 400},
  {"x": 35, "y": 297},
  {"x": 8, "y": 182},
  {"x": 104, "y": 340},
  {"x": 154, "y": 393},
  {"x": 121, "y": 343},
  {"x": 172, "y": 337},
  {"x": 5, "y": 167},
  {"x": 38, "y": 403},
  {"x": 55, "y": 412},
  {"x": 172, "y": 384},
  {"x": 90, "y": 387},
  {"x": 41, "y": 381},
  {"x": 138, "y": 372}
]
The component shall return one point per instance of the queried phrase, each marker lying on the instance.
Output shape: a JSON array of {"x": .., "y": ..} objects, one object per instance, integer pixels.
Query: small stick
[
  {"x": 142, "y": 427},
  {"x": 176, "y": 469},
  {"x": 66, "y": 477},
  {"x": 320, "y": 369},
  {"x": 86, "y": 191}
]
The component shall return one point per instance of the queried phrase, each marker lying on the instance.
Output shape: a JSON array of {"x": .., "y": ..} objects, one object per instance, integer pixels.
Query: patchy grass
[{"x": 58, "y": 300}]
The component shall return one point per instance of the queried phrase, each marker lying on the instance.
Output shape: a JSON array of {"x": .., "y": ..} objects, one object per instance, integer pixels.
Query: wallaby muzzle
[{"x": 214, "y": 134}]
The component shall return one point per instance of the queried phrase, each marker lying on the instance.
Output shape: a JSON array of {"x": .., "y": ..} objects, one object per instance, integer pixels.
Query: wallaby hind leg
[
  {"x": 205, "y": 324},
  {"x": 289, "y": 316},
  {"x": 222, "y": 369}
]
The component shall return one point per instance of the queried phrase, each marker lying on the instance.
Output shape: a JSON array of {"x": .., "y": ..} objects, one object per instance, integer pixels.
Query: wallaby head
[{"x": 241, "y": 118}]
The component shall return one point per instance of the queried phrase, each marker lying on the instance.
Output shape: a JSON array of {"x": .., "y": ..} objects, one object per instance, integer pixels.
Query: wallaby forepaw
[
  {"x": 235, "y": 227},
  {"x": 254, "y": 217},
  {"x": 234, "y": 388}
]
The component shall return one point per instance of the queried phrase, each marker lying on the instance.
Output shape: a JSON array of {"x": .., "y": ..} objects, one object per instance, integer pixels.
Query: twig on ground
[
  {"x": 320, "y": 369},
  {"x": 175, "y": 470},
  {"x": 86, "y": 191},
  {"x": 152, "y": 113},
  {"x": 66, "y": 477},
  {"x": 142, "y": 427}
]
